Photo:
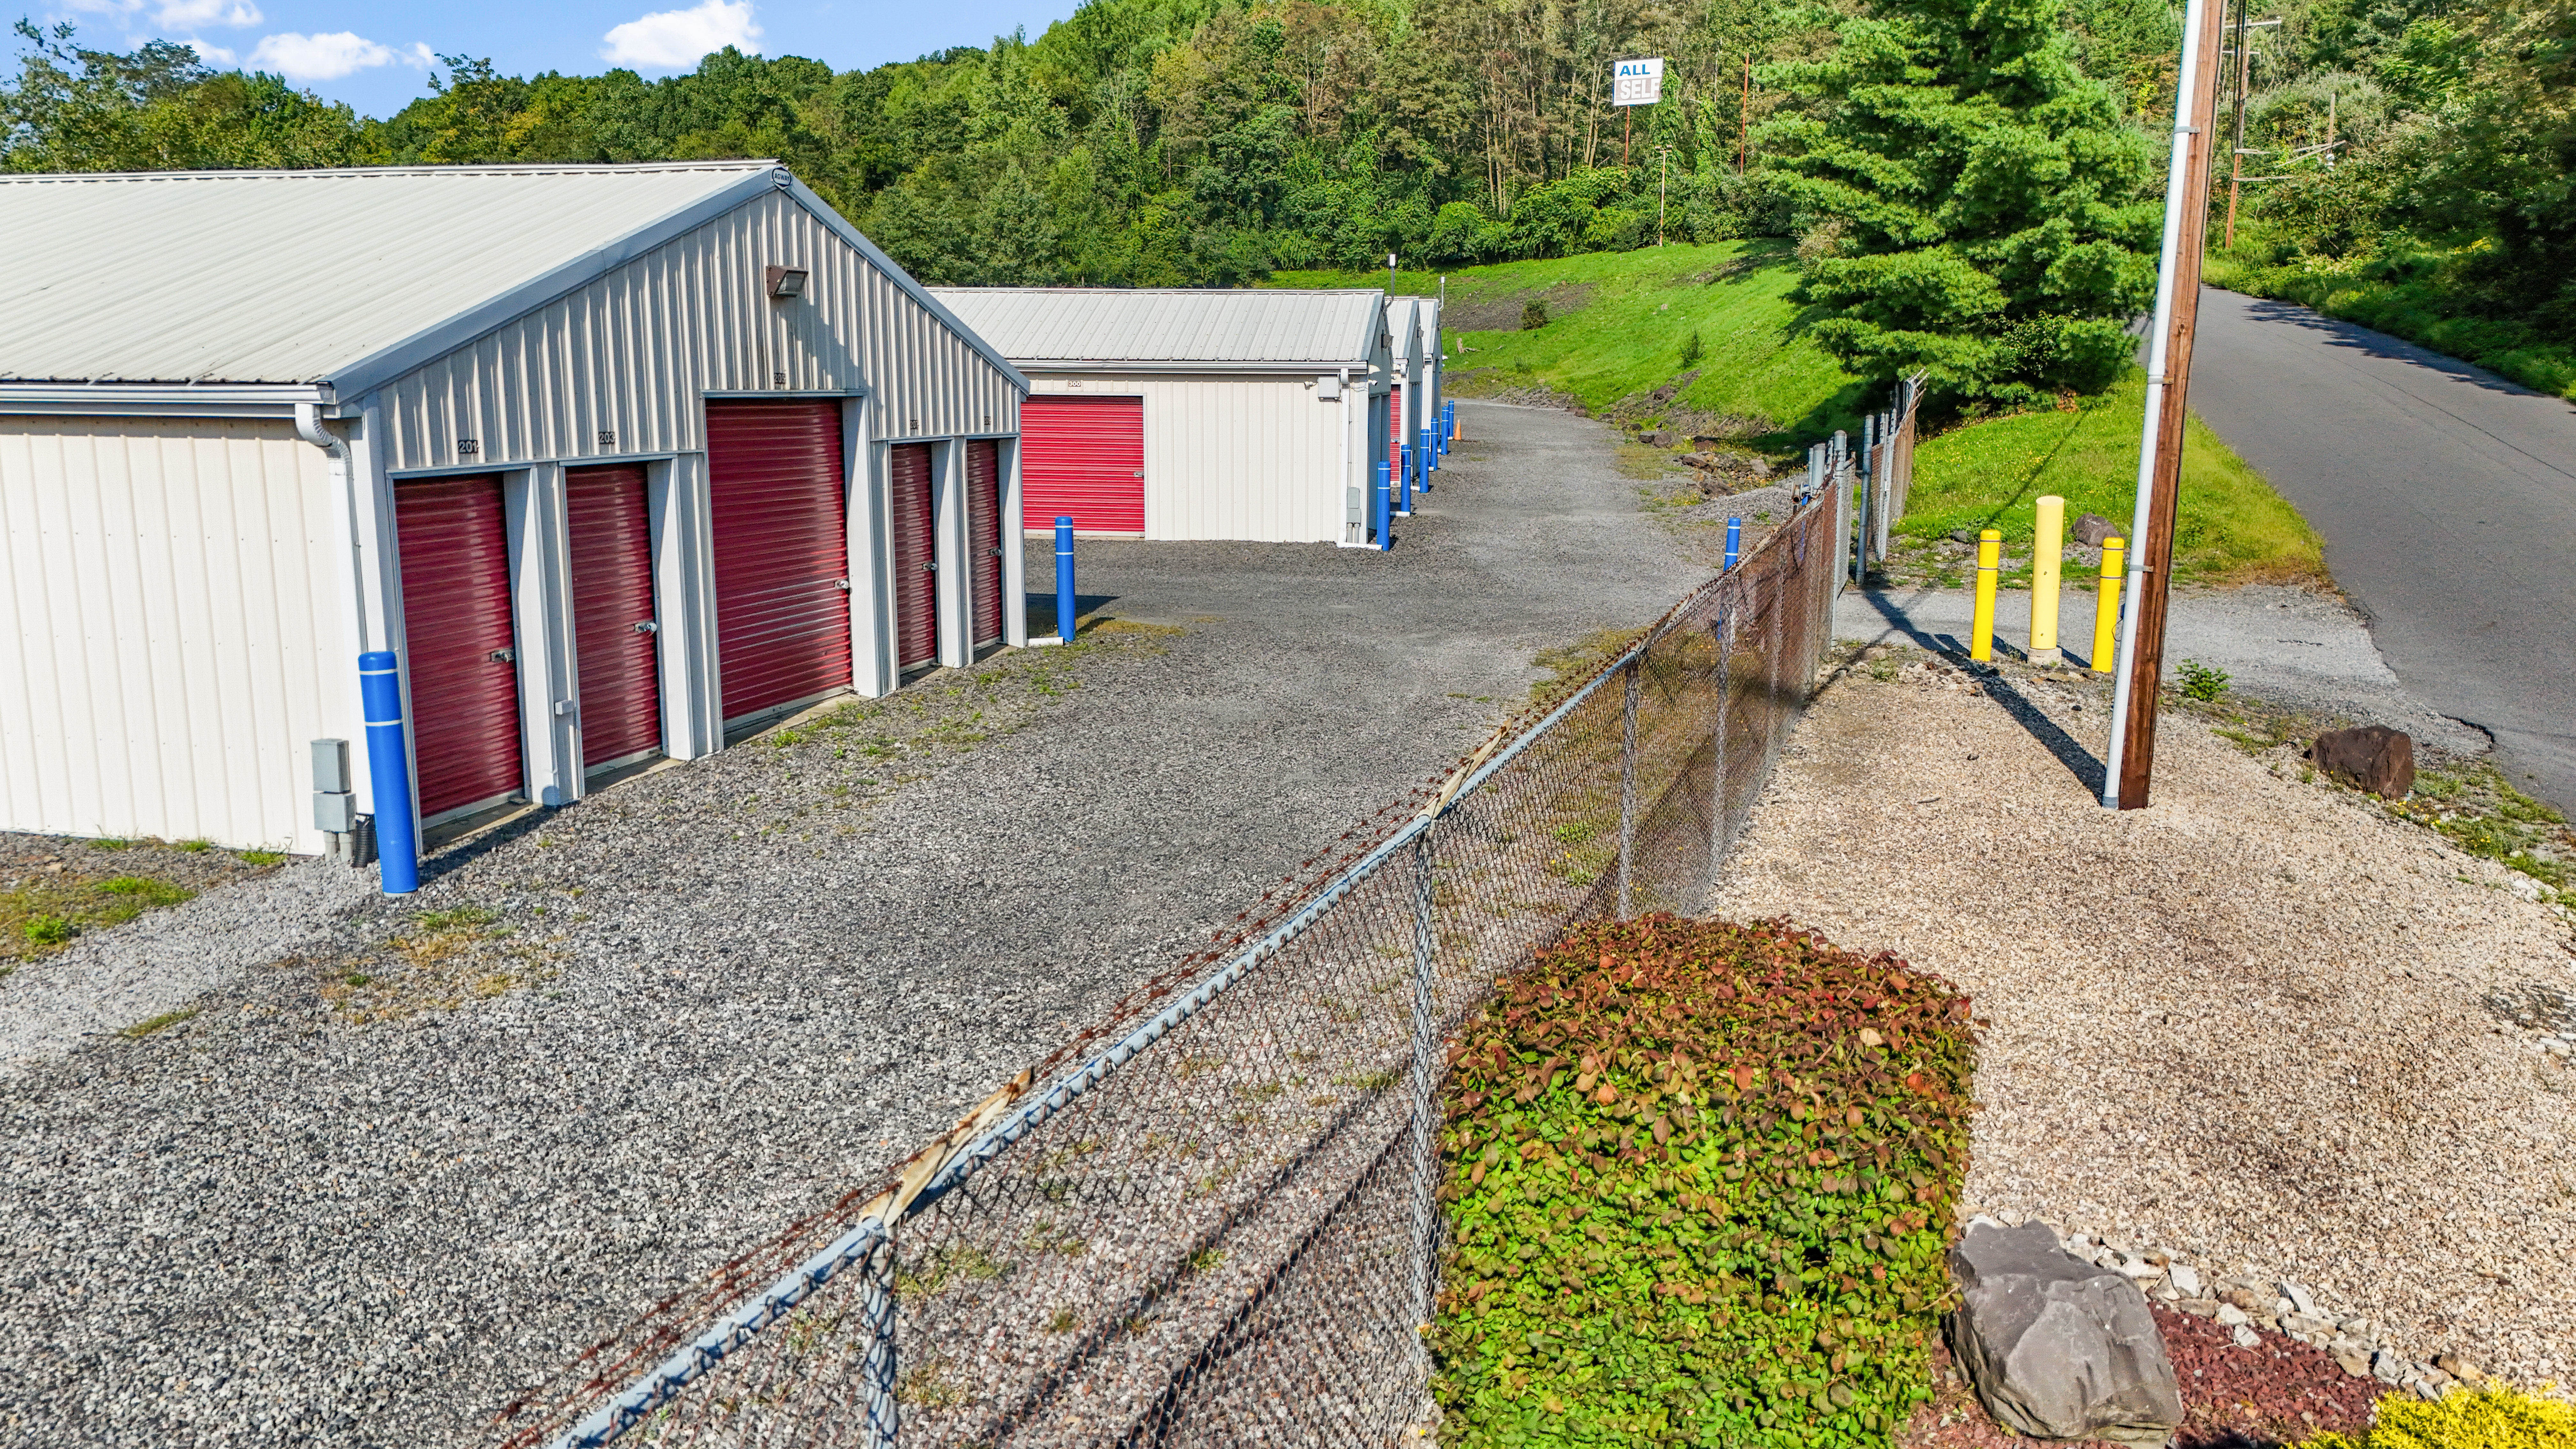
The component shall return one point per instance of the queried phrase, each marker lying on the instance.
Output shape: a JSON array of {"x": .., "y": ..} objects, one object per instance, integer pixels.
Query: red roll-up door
[
  {"x": 1083, "y": 457},
  {"x": 456, "y": 617},
  {"x": 916, "y": 555},
  {"x": 612, "y": 595},
  {"x": 782, "y": 551},
  {"x": 984, "y": 536},
  {"x": 1395, "y": 422}
]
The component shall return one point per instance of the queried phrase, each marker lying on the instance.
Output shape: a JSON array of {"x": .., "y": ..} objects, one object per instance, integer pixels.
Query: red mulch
[{"x": 2279, "y": 1392}]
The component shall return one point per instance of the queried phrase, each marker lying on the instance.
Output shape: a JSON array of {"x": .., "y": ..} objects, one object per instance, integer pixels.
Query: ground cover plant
[
  {"x": 2232, "y": 527},
  {"x": 53, "y": 890},
  {"x": 1698, "y": 1178},
  {"x": 2490, "y": 1416},
  {"x": 1618, "y": 323}
]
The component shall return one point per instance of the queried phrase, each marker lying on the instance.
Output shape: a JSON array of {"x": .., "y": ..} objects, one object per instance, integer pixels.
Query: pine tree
[{"x": 1982, "y": 214}]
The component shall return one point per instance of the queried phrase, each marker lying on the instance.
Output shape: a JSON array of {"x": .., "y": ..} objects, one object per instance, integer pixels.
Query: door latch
[
  {"x": 503, "y": 656},
  {"x": 930, "y": 568},
  {"x": 648, "y": 627},
  {"x": 845, "y": 585}
]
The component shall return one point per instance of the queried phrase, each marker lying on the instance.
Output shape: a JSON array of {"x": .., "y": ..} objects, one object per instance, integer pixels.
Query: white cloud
[
  {"x": 190, "y": 14},
  {"x": 677, "y": 39},
  {"x": 214, "y": 55},
  {"x": 329, "y": 57}
]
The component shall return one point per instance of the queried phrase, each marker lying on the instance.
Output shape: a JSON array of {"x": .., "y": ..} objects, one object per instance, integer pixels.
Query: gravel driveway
[
  {"x": 2249, "y": 1024},
  {"x": 371, "y": 1191}
]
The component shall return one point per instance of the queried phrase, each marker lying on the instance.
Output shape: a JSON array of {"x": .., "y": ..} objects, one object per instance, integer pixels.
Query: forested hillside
[{"x": 1971, "y": 187}]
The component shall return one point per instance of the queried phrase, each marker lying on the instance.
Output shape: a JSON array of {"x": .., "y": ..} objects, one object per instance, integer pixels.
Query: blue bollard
[
  {"x": 1404, "y": 470},
  {"x": 1448, "y": 425},
  {"x": 1380, "y": 509},
  {"x": 1734, "y": 541},
  {"x": 389, "y": 764},
  {"x": 1064, "y": 580},
  {"x": 1430, "y": 458}
]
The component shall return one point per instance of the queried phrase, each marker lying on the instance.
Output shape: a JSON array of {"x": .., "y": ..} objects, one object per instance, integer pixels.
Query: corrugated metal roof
[
  {"x": 293, "y": 276},
  {"x": 1103, "y": 324}
]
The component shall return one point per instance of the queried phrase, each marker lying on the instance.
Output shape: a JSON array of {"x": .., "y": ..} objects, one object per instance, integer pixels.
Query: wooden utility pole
[
  {"x": 1744, "y": 117},
  {"x": 2236, "y": 148},
  {"x": 2131, "y": 764}
]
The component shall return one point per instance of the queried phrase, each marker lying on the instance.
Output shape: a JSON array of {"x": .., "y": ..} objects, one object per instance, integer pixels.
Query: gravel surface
[
  {"x": 375, "y": 1188},
  {"x": 2291, "y": 646},
  {"x": 2248, "y": 1023},
  {"x": 109, "y": 980}
]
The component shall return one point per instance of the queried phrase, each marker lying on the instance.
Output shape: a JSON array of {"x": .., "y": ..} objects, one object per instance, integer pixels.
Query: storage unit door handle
[
  {"x": 503, "y": 656},
  {"x": 930, "y": 568},
  {"x": 648, "y": 627}
]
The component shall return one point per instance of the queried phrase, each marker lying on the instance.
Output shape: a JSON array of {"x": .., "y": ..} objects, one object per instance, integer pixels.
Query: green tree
[
  {"x": 1982, "y": 212},
  {"x": 159, "y": 109}
]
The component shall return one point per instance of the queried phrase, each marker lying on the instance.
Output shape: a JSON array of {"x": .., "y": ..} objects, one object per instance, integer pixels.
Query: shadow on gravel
[{"x": 2078, "y": 760}]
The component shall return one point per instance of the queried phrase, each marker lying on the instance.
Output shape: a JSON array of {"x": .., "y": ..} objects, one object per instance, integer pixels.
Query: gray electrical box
[
  {"x": 335, "y": 812},
  {"x": 331, "y": 769}
]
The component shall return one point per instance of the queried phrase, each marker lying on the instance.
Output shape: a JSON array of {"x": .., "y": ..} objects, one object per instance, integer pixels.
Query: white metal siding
[
  {"x": 1253, "y": 458},
  {"x": 630, "y": 354},
  {"x": 169, "y": 629}
]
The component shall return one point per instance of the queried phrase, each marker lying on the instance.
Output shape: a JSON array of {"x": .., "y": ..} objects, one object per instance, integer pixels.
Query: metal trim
[{"x": 839, "y": 225}]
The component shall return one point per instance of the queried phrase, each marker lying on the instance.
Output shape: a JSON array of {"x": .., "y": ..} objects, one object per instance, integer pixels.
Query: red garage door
[
  {"x": 612, "y": 615},
  {"x": 782, "y": 551},
  {"x": 916, "y": 556},
  {"x": 984, "y": 536},
  {"x": 1084, "y": 457},
  {"x": 458, "y": 643},
  {"x": 1395, "y": 422}
]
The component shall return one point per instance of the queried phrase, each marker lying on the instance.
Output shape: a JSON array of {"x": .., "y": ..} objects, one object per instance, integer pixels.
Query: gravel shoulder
[
  {"x": 379, "y": 1184},
  {"x": 2251, "y": 1023}
]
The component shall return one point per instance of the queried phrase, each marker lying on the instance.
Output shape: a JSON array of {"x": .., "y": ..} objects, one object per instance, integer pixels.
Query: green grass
[
  {"x": 2232, "y": 527},
  {"x": 1636, "y": 312},
  {"x": 43, "y": 916},
  {"x": 149, "y": 1025},
  {"x": 2399, "y": 293}
]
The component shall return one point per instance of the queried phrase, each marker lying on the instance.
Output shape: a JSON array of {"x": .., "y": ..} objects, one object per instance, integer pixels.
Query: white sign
[{"x": 1637, "y": 82}]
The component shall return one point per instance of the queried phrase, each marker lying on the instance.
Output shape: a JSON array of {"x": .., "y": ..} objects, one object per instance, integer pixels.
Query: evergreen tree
[{"x": 1982, "y": 212}]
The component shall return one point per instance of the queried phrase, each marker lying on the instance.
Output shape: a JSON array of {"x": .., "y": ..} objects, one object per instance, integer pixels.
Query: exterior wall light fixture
[{"x": 786, "y": 281}]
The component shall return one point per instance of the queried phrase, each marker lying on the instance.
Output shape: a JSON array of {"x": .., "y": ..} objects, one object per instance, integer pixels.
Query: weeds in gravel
[
  {"x": 2476, "y": 808},
  {"x": 966, "y": 1263},
  {"x": 43, "y": 916},
  {"x": 2203, "y": 682},
  {"x": 1571, "y": 664},
  {"x": 151, "y": 1024},
  {"x": 262, "y": 857}
]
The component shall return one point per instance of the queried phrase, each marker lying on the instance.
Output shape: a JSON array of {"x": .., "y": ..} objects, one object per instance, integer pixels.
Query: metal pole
[
  {"x": 1744, "y": 118},
  {"x": 1717, "y": 813},
  {"x": 1426, "y": 1056},
  {"x": 2130, "y": 760},
  {"x": 1064, "y": 579},
  {"x": 389, "y": 766},
  {"x": 1627, "y": 785},
  {"x": 876, "y": 1308},
  {"x": 2236, "y": 148}
]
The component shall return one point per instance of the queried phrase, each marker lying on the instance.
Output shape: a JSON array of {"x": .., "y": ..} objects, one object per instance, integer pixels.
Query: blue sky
[{"x": 377, "y": 57}]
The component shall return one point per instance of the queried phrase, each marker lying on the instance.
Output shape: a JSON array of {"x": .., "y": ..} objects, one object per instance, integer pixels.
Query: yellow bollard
[
  {"x": 2106, "y": 605},
  {"x": 1981, "y": 636},
  {"x": 2047, "y": 547}
]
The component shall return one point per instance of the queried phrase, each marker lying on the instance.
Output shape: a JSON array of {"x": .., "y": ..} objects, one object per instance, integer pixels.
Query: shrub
[
  {"x": 2492, "y": 1417},
  {"x": 2202, "y": 681},
  {"x": 1699, "y": 1179},
  {"x": 1691, "y": 350},
  {"x": 1533, "y": 314}
]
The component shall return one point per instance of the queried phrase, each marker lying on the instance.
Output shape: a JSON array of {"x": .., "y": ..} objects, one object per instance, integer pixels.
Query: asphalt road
[{"x": 2447, "y": 497}]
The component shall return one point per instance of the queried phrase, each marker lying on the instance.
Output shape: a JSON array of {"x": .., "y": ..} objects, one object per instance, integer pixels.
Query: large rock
[
  {"x": 2374, "y": 758},
  {"x": 2091, "y": 528},
  {"x": 2058, "y": 1348}
]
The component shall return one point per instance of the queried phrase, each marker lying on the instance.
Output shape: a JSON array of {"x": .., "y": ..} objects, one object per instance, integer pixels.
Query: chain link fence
[{"x": 1210, "y": 1220}]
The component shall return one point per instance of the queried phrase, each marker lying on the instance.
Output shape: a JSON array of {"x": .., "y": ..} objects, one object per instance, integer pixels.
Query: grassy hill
[
  {"x": 1616, "y": 326},
  {"x": 1617, "y": 323}
]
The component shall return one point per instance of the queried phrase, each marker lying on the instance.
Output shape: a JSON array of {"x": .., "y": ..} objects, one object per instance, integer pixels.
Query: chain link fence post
[
  {"x": 1628, "y": 783},
  {"x": 1723, "y": 626},
  {"x": 1426, "y": 1062},
  {"x": 876, "y": 1308}
]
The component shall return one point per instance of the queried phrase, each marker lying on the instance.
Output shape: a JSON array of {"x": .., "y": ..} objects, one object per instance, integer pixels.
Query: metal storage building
[
  {"x": 1195, "y": 414},
  {"x": 1414, "y": 325},
  {"x": 613, "y": 458}
]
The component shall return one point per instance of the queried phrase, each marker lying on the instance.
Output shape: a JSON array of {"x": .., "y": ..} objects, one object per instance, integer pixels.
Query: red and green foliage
[{"x": 1699, "y": 1179}]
